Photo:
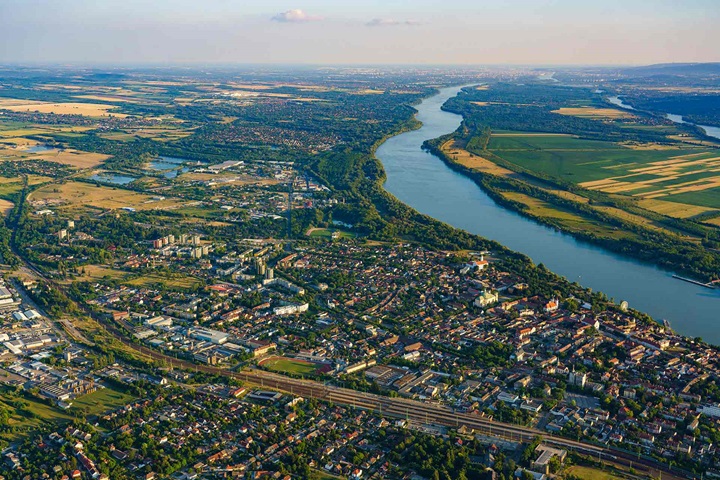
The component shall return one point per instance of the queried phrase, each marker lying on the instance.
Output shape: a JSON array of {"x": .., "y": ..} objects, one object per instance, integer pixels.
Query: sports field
[{"x": 290, "y": 365}]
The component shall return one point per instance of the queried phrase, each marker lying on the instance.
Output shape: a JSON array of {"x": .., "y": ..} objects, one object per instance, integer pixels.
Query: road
[{"x": 410, "y": 410}]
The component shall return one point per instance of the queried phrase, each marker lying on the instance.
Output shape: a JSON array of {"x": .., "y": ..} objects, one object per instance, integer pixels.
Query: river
[
  {"x": 709, "y": 131},
  {"x": 423, "y": 181}
]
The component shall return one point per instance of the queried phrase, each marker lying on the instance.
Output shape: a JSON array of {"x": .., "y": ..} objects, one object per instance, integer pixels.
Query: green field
[
  {"x": 289, "y": 365},
  {"x": 323, "y": 475},
  {"x": 327, "y": 233},
  {"x": 179, "y": 281},
  {"x": 101, "y": 401},
  {"x": 588, "y": 473},
  {"x": 27, "y": 413},
  {"x": 575, "y": 159},
  {"x": 31, "y": 416},
  {"x": 570, "y": 220}
]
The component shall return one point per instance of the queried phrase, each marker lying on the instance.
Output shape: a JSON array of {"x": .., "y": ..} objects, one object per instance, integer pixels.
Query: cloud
[
  {"x": 295, "y": 16},
  {"x": 388, "y": 22}
]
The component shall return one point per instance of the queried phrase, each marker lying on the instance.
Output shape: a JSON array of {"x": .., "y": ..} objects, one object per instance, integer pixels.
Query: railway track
[{"x": 410, "y": 410}]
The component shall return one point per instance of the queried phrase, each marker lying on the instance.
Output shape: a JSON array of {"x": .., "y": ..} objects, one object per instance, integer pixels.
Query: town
[{"x": 450, "y": 328}]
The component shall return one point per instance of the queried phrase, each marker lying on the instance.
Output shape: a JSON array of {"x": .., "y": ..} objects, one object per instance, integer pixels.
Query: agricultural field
[
  {"x": 15, "y": 133},
  {"x": 673, "y": 209},
  {"x": 84, "y": 109},
  {"x": 470, "y": 160},
  {"x": 5, "y": 207},
  {"x": 678, "y": 174},
  {"x": 290, "y": 365},
  {"x": 569, "y": 220},
  {"x": 71, "y": 158},
  {"x": 75, "y": 195},
  {"x": 10, "y": 187},
  {"x": 596, "y": 113}
]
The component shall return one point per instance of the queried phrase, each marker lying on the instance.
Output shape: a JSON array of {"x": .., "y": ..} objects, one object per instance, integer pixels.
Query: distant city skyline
[{"x": 519, "y": 32}]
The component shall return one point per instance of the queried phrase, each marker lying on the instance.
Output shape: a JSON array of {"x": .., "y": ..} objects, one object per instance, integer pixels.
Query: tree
[{"x": 554, "y": 464}]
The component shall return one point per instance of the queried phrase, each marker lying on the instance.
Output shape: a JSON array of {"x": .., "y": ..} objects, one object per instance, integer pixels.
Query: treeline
[
  {"x": 651, "y": 246},
  {"x": 529, "y": 108},
  {"x": 693, "y": 107},
  {"x": 123, "y": 155}
]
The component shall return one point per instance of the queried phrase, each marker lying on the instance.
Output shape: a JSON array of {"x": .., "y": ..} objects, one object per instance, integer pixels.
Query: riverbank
[
  {"x": 601, "y": 224},
  {"x": 425, "y": 184}
]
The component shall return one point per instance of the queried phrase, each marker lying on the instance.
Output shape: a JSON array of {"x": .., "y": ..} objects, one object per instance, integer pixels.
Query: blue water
[
  {"x": 113, "y": 178},
  {"x": 38, "y": 149},
  {"x": 424, "y": 182},
  {"x": 709, "y": 131},
  {"x": 168, "y": 165}
]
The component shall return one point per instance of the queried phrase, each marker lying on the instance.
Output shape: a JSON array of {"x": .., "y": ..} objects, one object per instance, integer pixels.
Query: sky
[{"x": 474, "y": 32}]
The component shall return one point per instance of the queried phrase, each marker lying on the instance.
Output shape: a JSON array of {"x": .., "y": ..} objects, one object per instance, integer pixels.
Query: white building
[
  {"x": 486, "y": 298},
  {"x": 205, "y": 334}
]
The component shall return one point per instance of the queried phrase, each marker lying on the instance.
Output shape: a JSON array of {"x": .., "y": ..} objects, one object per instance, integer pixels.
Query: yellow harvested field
[
  {"x": 467, "y": 159},
  {"x": 94, "y": 273},
  {"x": 692, "y": 140},
  {"x": 590, "y": 112},
  {"x": 672, "y": 170},
  {"x": 672, "y": 209},
  {"x": 176, "y": 281},
  {"x": 21, "y": 132},
  {"x": 484, "y": 104},
  {"x": 78, "y": 194},
  {"x": 647, "y": 146},
  {"x": 598, "y": 183},
  {"x": 74, "y": 158},
  {"x": 84, "y": 109},
  {"x": 5, "y": 206},
  {"x": 638, "y": 220},
  {"x": 18, "y": 142},
  {"x": 110, "y": 98},
  {"x": 38, "y": 179},
  {"x": 69, "y": 157},
  {"x": 251, "y": 86}
]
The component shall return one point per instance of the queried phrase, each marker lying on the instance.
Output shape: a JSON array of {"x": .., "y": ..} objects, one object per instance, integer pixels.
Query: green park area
[{"x": 289, "y": 365}]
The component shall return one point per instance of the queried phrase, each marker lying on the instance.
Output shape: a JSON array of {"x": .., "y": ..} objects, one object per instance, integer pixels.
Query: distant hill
[{"x": 674, "y": 69}]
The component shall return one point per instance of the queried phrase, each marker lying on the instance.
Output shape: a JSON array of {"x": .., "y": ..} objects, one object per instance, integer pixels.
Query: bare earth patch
[{"x": 5, "y": 206}]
